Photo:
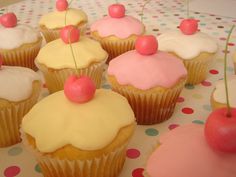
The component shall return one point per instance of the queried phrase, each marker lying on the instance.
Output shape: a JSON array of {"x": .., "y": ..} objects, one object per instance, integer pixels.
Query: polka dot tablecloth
[{"x": 193, "y": 104}]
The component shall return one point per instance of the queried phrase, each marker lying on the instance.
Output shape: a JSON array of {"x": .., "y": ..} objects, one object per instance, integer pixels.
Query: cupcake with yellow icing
[
  {"x": 218, "y": 96},
  {"x": 19, "y": 44},
  {"x": 50, "y": 24},
  {"x": 151, "y": 80},
  {"x": 87, "y": 138},
  {"x": 19, "y": 91},
  {"x": 117, "y": 32},
  {"x": 196, "y": 49},
  {"x": 57, "y": 59}
]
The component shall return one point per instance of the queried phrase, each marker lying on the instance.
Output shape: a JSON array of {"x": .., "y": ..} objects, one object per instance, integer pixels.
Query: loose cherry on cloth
[
  {"x": 189, "y": 26},
  {"x": 70, "y": 34},
  {"x": 61, "y": 5},
  {"x": 146, "y": 45},
  {"x": 8, "y": 20},
  {"x": 116, "y": 10},
  {"x": 220, "y": 130},
  {"x": 79, "y": 89}
]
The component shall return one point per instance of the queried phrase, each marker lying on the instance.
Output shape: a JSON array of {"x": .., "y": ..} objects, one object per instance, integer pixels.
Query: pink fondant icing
[
  {"x": 119, "y": 27},
  {"x": 147, "y": 71},
  {"x": 184, "y": 152}
]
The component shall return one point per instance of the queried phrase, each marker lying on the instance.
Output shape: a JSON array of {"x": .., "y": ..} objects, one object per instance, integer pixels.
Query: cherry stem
[
  {"x": 142, "y": 14},
  {"x": 187, "y": 8},
  {"x": 67, "y": 11},
  {"x": 225, "y": 74}
]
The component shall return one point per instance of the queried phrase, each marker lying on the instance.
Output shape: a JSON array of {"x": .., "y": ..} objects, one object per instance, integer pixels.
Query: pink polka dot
[
  {"x": 11, "y": 171},
  {"x": 138, "y": 172},
  {"x": 222, "y": 38},
  {"x": 172, "y": 126},
  {"x": 132, "y": 153},
  {"x": 180, "y": 99},
  {"x": 231, "y": 44},
  {"x": 44, "y": 85},
  {"x": 206, "y": 83},
  {"x": 214, "y": 71},
  {"x": 187, "y": 110}
]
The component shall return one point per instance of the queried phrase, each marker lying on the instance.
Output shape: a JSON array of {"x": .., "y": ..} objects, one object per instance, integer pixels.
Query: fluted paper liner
[
  {"x": 11, "y": 116},
  {"x": 106, "y": 165},
  {"x": 53, "y": 34},
  {"x": 153, "y": 106},
  {"x": 116, "y": 46},
  {"x": 55, "y": 78},
  {"x": 23, "y": 56}
]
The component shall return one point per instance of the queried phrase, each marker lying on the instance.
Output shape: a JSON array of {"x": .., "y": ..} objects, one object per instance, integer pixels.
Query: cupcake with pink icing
[
  {"x": 51, "y": 23},
  {"x": 89, "y": 134},
  {"x": 117, "y": 32},
  {"x": 19, "y": 91},
  {"x": 194, "y": 48},
  {"x": 19, "y": 44},
  {"x": 151, "y": 80}
]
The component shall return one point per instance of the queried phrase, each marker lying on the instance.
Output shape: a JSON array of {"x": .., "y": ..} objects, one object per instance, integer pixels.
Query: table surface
[{"x": 193, "y": 104}]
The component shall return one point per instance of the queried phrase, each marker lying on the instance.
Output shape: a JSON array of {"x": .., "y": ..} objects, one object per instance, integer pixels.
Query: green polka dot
[
  {"x": 230, "y": 68},
  {"x": 151, "y": 132},
  {"x": 198, "y": 122},
  {"x": 197, "y": 96},
  {"x": 207, "y": 107},
  {"x": 37, "y": 168},
  {"x": 15, "y": 151},
  {"x": 189, "y": 86}
]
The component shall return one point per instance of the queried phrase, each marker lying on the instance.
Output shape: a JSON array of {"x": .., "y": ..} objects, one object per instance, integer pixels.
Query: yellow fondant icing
[
  {"x": 55, "y": 121},
  {"x": 56, "y": 19},
  {"x": 58, "y": 55}
]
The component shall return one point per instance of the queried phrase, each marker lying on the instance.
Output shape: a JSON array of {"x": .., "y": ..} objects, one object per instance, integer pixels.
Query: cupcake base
[
  {"x": 22, "y": 56},
  {"x": 150, "y": 106},
  {"x": 53, "y": 34},
  {"x": 55, "y": 78},
  {"x": 11, "y": 114},
  {"x": 72, "y": 162},
  {"x": 115, "y": 46}
]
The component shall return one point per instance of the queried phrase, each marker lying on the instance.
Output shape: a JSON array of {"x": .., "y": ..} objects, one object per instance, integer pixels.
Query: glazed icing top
[
  {"x": 184, "y": 152},
  {"x": 219, "y": 92},
  {"x": 16, "y": 82},
  {"x": 56, "y": 19},
  {"x": 186, "y": 46},
  {"x": 11, "y": 38},
  {"x": 88, "y": 126},
  {"x": 119, "y": 27},
  {"x": 147, "y": 71},
  {"x": 58, "y": 55}
]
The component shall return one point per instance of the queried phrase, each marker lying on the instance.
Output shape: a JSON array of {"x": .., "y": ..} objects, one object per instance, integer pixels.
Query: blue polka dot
[{"x": 207, "y": 107}]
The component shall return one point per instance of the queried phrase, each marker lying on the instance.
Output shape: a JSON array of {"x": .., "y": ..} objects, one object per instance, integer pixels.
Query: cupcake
[
  {"x": 50, "y": 24},
  {"x": 19, "y": 91},
  {"x": 57, "y": 59},
  {"x": 218, "y": 96},
  {"x": 185, "y": 152},
  {"x": 194, "y": 48},
  {"x": 88, "y": 137},
  {"x": 117, "y": 32},
  {"x": 19, "y": 44},
  {"x": 151, "y": 80}
]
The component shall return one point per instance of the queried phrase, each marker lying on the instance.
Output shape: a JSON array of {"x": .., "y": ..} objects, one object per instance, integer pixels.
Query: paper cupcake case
[
  {"x": 11, "y": 116},
  {"x": 115, "y": 46},
  {"x": 107, "y": 165},
  {"x": 53, "y": 34},
  {"x": 23, "y": 56},
  {"x": 198, "y": 69},
  {"x": 153, "y": 106},
  {"x": 55, "y": 78}
]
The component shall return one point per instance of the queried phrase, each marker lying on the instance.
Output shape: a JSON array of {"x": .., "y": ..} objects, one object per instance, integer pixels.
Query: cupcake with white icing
[
  {"x": 19, "y": 44},
  {"x": 87, "y": 137},
  {"x": 194, "y": 48},
  {"x": 218, "y": 97},
  {"x": 50, "y": 24},
  {"x": 117, "y": 32},
  {"x": 19, "y": 91},
  {"x": 71, "y": 54}
]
